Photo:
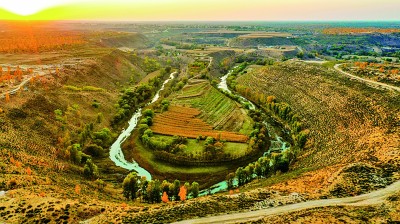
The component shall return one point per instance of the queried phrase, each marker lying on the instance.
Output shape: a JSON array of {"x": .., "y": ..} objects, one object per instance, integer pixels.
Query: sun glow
[
  {"x": 30, "y": 7},
  {"x": 186, "y": 10}
]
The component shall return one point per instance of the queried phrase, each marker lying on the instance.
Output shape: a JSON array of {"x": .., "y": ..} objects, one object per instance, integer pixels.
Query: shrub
[
  {"x": 148, "y": 113},
  {"x": 94, "y": 150},
  {"x": 90, "y": 170}
]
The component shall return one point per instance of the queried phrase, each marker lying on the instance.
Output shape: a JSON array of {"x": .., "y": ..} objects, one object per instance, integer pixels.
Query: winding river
[
  {"x": 116, "y": 153},
  {"x": 224, "y": 86}
]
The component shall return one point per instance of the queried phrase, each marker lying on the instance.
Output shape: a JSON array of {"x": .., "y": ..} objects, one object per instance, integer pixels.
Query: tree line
[
  {"x": 155, "y": 191},
  {"x": 136, "y": 97}
]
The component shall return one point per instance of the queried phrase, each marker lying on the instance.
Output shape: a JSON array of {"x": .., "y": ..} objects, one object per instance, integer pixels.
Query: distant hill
[
  {"x": 129, "y": 40},
  {"x": 261, "y": 39}
]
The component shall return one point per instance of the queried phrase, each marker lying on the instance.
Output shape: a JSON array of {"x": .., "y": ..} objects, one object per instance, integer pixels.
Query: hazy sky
[{"x": 169, "y": 10}]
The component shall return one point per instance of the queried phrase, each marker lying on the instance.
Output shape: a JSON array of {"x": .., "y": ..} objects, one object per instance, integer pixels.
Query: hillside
[
  {"x": 36, "y": 172},
  {"x": 350, "y": 123}
]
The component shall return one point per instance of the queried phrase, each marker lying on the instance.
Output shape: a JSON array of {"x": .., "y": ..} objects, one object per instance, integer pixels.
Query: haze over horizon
[{"x": 206, "y": 10}]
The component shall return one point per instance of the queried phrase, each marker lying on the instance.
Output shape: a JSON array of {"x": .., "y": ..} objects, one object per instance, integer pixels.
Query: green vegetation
[
  {"x": 90, "y": 170},
  {"x": 84, "y": 88},
  {"x": 147, "y": 155},
  {"x": 193, "y": 148},
  {"x": 150, "y": 65},
  {"x": 133, "y": 98},
  {"x": 283, "y": 112},
  {"x": 152, "y": 191}
]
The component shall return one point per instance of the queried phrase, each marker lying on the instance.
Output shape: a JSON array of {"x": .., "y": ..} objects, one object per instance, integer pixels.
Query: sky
[{"x": 201, "y": 10}]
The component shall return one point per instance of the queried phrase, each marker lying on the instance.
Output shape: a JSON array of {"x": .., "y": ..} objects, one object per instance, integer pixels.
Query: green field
[
  {"x": 195, "y": 147},
  {"x": 217, "y": 109},
  {"x": 205, "y": 175}
]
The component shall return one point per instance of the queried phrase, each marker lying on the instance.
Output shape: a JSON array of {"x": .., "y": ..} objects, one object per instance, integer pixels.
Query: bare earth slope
[{"x": 350, "y": 122}]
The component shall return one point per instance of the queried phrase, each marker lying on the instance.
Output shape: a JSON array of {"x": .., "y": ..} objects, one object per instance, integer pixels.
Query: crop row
[{"x": 181, "y": 121}]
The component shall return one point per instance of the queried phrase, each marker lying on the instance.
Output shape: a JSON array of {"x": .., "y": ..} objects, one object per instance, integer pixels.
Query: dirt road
[
  {"x": 374, "y": 83},
  {"x": 373, "y": 198}
]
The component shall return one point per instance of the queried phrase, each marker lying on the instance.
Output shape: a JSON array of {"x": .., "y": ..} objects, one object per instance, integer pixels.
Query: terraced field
[
  {"x": 183, "y": 121},
  {"x": 216, "y": 109}
]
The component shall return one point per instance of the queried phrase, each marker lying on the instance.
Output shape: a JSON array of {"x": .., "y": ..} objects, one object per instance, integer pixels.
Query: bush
[
  {"x": 148, "y": 132},
  {"x": 94, "y": 150},
  {"x": 90, "y": 170},
  {"x": 142, "y": 128},
  {"x": 209, "y": 141},
  {"x": 147, "y": 120},
  {"x": 148, "y": 113},
  {"x": 103, "y": 137}
]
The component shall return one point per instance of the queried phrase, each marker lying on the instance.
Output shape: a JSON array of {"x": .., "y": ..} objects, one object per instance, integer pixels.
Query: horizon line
[{"x": 168, "y": 21}]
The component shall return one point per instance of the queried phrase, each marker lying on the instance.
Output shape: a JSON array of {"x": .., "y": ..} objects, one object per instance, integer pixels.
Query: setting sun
[
  {"x": 28, "y": 7},
  {"x": 190, "y": 10}
]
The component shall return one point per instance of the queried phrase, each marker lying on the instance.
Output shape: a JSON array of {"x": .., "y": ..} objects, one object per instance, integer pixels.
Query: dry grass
[{"x": 342, "y": 115}]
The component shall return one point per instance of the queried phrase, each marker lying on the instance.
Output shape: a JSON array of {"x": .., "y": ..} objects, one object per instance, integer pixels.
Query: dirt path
[
  {"x": 373, "y": 198},
  {"x": 374, "y": 83}
]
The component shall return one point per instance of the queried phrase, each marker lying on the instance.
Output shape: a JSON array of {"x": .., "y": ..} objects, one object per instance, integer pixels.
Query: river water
[
  {"x": 224, "y": 86},
  {"x": 116, "y": 153}
]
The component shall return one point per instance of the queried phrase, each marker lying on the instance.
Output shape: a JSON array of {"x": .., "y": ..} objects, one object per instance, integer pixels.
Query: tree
[
  {"x": 131, "y": 186},
  {"x": 177, "y": 185},
  {"x": 182, "y": 193},
  {"x": 282, "y": 163},
  {"x": 271, "y": 99},
  {"x": 165, "y": 186},
  {"x": 187, "y": 186},
  {"x": 258, "y": 169},
  {"x": 194, "y": 189},
  {"x": 240, "y": 176},
  {"x": 154, "y": 191},
  {"x": 142, "y": 128},
  {"x": 164, "y": 198},
  {"x": 90, "y": 169},
  {"x": 148, "y": 132},
  {"x": 229, "y": 179},
  {"x": 209, "y": 141},
  {"x": 300, "y": 55},
  {"x": 143, "y": 188},
  {"x": 94, "y": 150},
  {"x": 103, "y": 137},
  {"x": 248, "y": 173},
  {"x": 265, "y": 166},
  {"x": 75, "y": 153},
  {"x": 148, "y": 113}
]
